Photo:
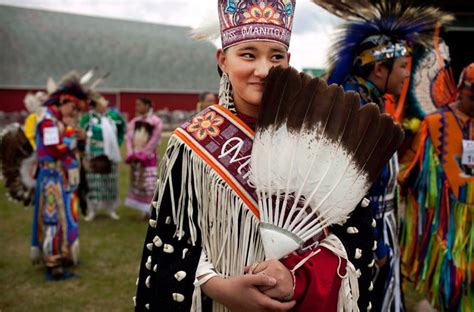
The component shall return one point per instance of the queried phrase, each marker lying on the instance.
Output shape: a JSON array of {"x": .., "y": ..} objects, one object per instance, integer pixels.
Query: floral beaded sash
[{"x": 224, "y": 142}]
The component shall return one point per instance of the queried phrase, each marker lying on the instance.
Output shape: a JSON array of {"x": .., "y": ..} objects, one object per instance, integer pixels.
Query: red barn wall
[{"x": 11, "y": 100}]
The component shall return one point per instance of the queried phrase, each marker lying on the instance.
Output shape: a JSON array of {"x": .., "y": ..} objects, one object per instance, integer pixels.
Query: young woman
[
  {"x": 203, "y": 233},
  {"x": 143, "y": 136}
]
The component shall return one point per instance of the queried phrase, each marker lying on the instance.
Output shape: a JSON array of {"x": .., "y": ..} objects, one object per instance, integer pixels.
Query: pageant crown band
[{"x": 250, "y": 20}]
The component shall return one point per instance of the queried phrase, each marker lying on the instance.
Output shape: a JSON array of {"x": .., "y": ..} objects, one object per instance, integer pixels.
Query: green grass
[
  {"x": 109, "y": 260},
  {"x": 108, "y": 268}
]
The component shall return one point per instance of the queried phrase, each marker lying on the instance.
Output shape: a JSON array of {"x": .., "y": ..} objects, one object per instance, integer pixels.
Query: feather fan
[{"x": 316, "y": 153}]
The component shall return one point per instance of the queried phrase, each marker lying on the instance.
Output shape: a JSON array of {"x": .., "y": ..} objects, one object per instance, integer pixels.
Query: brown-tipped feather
[
  {"x": 282, "y": 87},
  {"x": 347, "y": 139},
  {"x": 318, "y": 89},
  {"x": 338, "y": 117},
  {"x": 300, "y": 112},
  {"x": 384, "y": 135},
  {"x": 364, "y": 134},
  {"x": 395, "y": 142},
  {"x": 290, "y": 95},
  {"x": 325, "y": 101},
  {"x": 269, "y": 98}
]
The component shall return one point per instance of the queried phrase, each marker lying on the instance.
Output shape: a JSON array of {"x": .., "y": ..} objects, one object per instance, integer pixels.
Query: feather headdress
[
  {"x": 70, "y": 86},
  {"x": 73, "y": 84},
  {"x": 392, "y": 26},
  {"x": 316, "y": 153}
]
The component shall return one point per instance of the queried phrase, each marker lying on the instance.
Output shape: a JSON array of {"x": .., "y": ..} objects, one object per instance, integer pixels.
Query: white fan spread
[{"x": 315, "y": 154}]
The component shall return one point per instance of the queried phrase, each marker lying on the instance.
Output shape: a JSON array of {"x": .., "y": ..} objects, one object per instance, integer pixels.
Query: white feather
[
  {"x": 51, "y": 86},
  {"x": 308, "y": 172},
  {"x": 88, "y": 76},
  {"x": 99, "y": 81},
  {"x": 208, "y": 30}
]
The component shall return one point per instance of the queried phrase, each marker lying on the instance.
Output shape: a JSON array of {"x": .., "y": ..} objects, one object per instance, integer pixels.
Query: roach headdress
[{"x": 377, "y": 30}]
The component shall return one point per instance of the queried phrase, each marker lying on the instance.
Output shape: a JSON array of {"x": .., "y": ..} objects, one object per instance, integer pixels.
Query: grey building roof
[{"x": 36, "y": 44}]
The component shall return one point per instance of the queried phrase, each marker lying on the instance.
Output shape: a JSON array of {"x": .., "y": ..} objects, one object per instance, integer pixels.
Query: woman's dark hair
[
  {"x": 202, "y": 95},
  {"x": 145, "y": 101}
]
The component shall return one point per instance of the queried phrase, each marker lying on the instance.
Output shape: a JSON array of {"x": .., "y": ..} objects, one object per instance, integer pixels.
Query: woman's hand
[
  {"x": 284, "y": 287},
  {"x": 241, "y": 293}
]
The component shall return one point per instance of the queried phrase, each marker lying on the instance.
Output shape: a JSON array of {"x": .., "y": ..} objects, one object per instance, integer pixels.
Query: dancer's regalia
[
  {"x": 55, "y": 229},
  {"x": 379, "y": 31},
  {"x": 431, "y": 86},
  {"x": 204, "y": 221},
  {"x": 439, "y": 232},
  {"x": 143, "y": 136},
  {"x": 105, "y": 133},
  {"x": 204, "y": 215}
]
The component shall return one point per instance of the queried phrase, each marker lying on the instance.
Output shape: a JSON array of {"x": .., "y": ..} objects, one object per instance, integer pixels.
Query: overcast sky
[{"x": 311, "y": 31}]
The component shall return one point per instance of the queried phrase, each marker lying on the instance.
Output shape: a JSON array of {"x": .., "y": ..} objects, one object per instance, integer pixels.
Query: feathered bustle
[
  {"x": 15, "y": 149},
  {"x": 316, "y": 153}
]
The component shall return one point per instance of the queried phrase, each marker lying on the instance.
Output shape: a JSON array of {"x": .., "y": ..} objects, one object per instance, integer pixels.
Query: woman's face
[
  {"x": 141, "y": 108},
  {"x": 247, "y": 65}
]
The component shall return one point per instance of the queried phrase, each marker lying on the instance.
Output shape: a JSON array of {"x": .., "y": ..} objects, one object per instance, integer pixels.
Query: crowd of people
[
  {"x": 74, "y": 140},
  {"x": 203, "y": 249}
]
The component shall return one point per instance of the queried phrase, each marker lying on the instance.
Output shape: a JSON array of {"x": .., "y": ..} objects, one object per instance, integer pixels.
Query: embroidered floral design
[
  {"x": 262, "y": 13},
  {"x": 247, "y": 20},
  {"x": 204, "y": 125}
]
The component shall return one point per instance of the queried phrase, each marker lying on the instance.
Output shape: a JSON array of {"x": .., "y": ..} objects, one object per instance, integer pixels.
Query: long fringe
[
  {"x": 229, "y": 230},
  {"x": 349, "y": 290}
]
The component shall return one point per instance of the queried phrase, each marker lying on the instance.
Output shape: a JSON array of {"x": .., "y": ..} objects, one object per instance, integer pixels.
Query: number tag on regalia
[
  {"x": 50, "y": 136},
  {"x": 467, "y": 152}
]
